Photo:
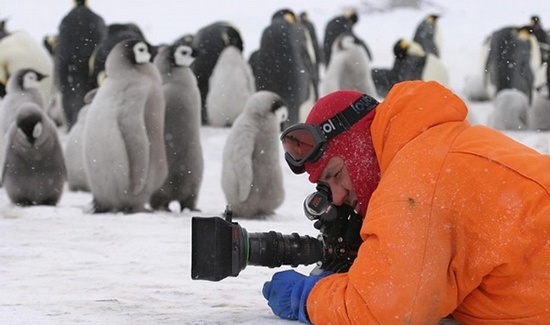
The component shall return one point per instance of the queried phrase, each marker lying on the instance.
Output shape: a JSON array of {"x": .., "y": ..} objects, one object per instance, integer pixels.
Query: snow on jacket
[{"x": 459, "y": 224}]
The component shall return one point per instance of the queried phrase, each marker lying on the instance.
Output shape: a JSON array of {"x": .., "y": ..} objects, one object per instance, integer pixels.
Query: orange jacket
[{"x": 459, "y": 224}]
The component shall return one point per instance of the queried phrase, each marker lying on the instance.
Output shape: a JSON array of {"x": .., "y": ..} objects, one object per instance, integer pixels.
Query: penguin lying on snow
[
  {"x": 124, "y": 150},
  {"x": 181, "y": 129},
  {"x": 252, "y": 178},
  {"x": 34, "y": 170}
]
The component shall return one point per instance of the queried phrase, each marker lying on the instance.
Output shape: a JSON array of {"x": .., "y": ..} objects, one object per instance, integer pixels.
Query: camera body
[{"x": 222, "y": 248}]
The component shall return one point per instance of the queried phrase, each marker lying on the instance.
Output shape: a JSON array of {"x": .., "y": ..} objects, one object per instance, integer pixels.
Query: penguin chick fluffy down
[
  {"x": 252, "y": 178},
  {"x": 124, "y": 153},
  {"x": 34, "y": 170}
]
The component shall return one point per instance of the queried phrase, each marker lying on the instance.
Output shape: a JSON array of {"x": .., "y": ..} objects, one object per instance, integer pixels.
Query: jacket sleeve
[{"x": 403, "y": 272}]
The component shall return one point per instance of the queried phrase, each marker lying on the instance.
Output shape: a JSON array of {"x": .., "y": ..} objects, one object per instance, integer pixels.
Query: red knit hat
[{"x": 354, "y": 146}]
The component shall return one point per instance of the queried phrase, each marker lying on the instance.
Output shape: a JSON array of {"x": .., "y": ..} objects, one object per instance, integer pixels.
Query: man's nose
[{"x": 339, "y": 194}]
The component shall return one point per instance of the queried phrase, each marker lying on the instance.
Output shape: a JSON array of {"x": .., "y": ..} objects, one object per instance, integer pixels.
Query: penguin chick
[{"x": 252, "y": 178}]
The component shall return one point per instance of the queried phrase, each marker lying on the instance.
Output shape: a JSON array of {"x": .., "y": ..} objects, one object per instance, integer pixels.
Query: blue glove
[{"x": 287, "y": 293}]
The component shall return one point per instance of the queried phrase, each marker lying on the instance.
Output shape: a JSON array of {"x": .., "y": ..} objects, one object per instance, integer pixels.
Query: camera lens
[{"x": 273, "y": 249}]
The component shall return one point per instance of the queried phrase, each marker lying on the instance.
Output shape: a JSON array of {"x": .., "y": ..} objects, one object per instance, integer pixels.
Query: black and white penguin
[
  {"x": 336, "y": 26},
  {"x": 411, "y": 63},
  {"x": 80, "y": 32},
  {"x": 34, "y": 169},
  {"x": 428, "y": 35},
  {"x": 181, "y": 129},
  {"x": 252, "y": 178},
  {"x": 124, "y": 148},
  {"x": 283, "y": 64},
  {"x": 210, "y": 41},
  {"x": 512, "y": 60},
  {"x": 314, "y": 50}
]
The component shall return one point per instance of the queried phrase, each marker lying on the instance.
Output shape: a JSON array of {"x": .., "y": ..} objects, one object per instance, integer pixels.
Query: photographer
[{"x": 456, "y": 217}]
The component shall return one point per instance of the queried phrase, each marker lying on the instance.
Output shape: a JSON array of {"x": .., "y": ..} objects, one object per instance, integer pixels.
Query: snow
[{"x": 61, "y": 265}]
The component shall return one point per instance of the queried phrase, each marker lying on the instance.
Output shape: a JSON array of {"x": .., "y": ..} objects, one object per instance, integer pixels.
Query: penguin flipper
[{"x": 137, "y": 149}]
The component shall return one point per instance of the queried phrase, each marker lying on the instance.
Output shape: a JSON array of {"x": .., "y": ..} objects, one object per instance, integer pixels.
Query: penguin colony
[{"x": 98, "y": 108}]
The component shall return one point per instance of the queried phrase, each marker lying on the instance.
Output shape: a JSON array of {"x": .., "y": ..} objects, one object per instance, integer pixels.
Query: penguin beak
[{"x": 40, "y": 76}]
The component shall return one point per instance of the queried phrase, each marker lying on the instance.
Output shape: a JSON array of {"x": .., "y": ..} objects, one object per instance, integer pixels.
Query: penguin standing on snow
[
  {"x": 74, "y": 149},
  {"x": 80, "y": 31},
  {"x": 428, "y": 35},
  {"x": 252, "y": 178},
  {"x": 231, "y": 85},
  {"x": 283, "y": 64},
  {"x": 23, "y": 87},
  {"x": 512, "y": 60},
  {"x": 181, "y": 129},
  {"x": 124, "y": 149},
  {"x": 349, "y": 67},
  {"x": 210, "y": 41},
  {"x": 34, "y": 170}
]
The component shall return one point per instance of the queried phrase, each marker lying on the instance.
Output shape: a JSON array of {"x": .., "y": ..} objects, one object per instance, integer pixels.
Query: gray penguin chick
[
  {"x": 124, "y": 153},
  {"x": 252, "y": 178},
  {"x": 34, "y": 171},
  {"x": 181, "y": 129}
]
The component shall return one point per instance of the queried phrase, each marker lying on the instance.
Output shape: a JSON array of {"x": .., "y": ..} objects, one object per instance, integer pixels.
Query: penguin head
[
  {"x": 78, "y": 3},
  {"x": 28, "y": 79},
  {"x": 182, "y": 55},
  {"x": 286, "y": 14},
  {"x": 535, "y": 22},
  {"x": 29, "y": 122},
  {"x": 141, "y": 51},
  {"x": 351, "y": 15},
  {"x": 525, "y": 32},
  {"x": 266, "y": 104},
  {"x": 404, "y": 48},
  {"x": 432, "y": 19}
]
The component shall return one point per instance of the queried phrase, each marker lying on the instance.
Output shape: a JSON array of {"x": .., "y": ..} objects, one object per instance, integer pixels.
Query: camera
[{"x": 222, "y": 248}]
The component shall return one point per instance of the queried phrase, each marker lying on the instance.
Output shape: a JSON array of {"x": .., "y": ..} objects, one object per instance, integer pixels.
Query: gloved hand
[{"x": 287, "y": 293}]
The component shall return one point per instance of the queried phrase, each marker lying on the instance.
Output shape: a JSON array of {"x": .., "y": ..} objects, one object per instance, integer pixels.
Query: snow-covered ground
[{"x": 60, "y": 265}]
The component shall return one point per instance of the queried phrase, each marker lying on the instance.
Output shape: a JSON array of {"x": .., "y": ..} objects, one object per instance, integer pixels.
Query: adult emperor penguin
[
  {"x": 428, "y": 35},
  {"x": 210, "y": 42},
  {"x": 340, "y": 24},
  {"x": 283, "y": 65},
  {"x": 349, "y": 67},
  {"x": 124, "y": 150},
  {"x": 231, "y": 85},
  {"x": 80, "y": 31},
  {"x": 23, "y": 87},
  {"x": 181, "y": 129},
  {"x": 34, "y": 170},
  {"x": 74, "y": 149},
  {"x": 512, "y": 61},
  {"x": 252, "y": 178}
]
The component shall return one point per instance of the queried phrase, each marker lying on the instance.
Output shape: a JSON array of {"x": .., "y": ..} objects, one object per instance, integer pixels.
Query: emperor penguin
[
  {"x": 34, "y": 170},
  {"x": 349, "y": 67},
  {"x": 252, "y": 178},
  {"x": 340, "y": 24},
  {"x": 74, "y": 149},
  {"x": 428, "y": 35},
  {"x": 23, "y": 87},
  {"x": 79, "y": 33},
  {"x": 313, "y": 47},
  {"x": 231, "y": 85},
  {"x": 538, "y": 116},
  {"x": 511, "y": 110},
  {"x": 124, "y": 151},
  {"x": 181, "y": 129},
  {"x": 283, "y": 64},
  {"x": 512, "y": 60},
  {"x": 210, "y": 41}
]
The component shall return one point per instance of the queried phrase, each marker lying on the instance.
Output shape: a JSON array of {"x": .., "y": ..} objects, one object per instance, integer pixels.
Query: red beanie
[{"x": 354, "y": 145}]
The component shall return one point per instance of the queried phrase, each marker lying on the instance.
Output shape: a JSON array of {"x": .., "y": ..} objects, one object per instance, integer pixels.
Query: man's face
[{"x": 336, "y": 176}]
